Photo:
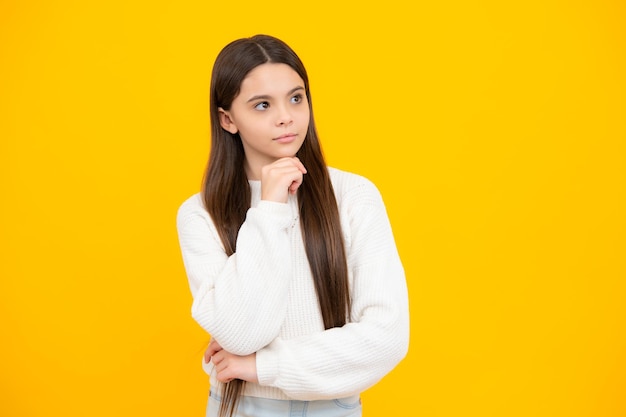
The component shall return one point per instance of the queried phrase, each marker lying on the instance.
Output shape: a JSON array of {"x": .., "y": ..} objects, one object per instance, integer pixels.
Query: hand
[
  {"x": 281, "y": 178},
  {"x": 230, "y": 366}
]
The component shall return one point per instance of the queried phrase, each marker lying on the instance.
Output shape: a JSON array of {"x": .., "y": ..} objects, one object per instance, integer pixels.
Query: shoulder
[
  {"x": 192, "y": 207},
  {"x": 353, "y": 188},
  {"x": 192, "y": 203}
]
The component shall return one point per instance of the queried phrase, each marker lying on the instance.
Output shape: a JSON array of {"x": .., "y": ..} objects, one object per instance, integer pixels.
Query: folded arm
[
  {"x": 343, "y": 361},
  {"x": 239, "y": 299}
]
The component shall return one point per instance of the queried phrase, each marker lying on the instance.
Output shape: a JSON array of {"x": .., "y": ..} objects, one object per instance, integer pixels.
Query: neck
[{"x": 252, "y": 172}]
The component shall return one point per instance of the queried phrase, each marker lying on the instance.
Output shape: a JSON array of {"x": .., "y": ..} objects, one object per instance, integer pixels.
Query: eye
[
  {"x": 296, "y": 99},
  {"x": 264, "y": 105}
]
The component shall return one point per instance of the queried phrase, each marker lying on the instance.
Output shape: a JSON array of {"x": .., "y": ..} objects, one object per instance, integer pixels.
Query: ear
[{"x": 226, "y": 121}]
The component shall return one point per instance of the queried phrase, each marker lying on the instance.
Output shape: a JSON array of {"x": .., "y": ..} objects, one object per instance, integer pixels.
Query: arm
[
  {"x": 343, "y": 361},
  {"x": 239, "y": 300},
  {"x": 242, "y": 299}
]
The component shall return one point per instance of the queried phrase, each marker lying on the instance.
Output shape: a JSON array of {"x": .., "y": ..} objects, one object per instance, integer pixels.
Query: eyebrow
[{"x": 266, "y": 97}]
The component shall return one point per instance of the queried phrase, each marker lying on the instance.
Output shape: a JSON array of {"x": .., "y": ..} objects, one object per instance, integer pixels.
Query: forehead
[{"x": 270, "y": 78}]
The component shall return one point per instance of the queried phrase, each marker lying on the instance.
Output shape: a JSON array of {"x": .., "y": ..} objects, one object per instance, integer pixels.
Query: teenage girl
[{"x": 292, "y": 265}]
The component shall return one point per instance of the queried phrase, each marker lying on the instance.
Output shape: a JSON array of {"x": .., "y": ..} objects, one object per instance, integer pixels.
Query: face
[{"x": 271, "y": 115}]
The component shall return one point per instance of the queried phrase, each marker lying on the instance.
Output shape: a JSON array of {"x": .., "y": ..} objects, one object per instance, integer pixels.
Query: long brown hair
[{"x": 226, "y": 191}]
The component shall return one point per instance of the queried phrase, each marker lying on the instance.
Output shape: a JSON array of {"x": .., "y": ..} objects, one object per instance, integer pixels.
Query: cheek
[
  {"x": 305, "y": 116},
  {"x": 250, "y": 130}
]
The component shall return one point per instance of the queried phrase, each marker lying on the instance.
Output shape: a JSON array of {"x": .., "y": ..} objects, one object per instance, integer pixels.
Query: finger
[
  {"x": 299, "y": 164},
  {"x": 292, "y": 161},
  {"x": 223, "y": 370},
  {"x": 224, "y": 374},
  {"x": 208, "y": 353},
  {"x": 294, "y": 186},
  {"x": 223, "y": 379},
  {"x": 211, "y": 350},
  {"x": 218, "y": 358},
  {"x": 295, "y": 162},
  {"x": 215, "y": 345}
]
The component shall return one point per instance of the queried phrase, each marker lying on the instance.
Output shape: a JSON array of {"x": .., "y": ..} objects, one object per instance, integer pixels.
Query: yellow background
[{"x": 495, "y": 130}]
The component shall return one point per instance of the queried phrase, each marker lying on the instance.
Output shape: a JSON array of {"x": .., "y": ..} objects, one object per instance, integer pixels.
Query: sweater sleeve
[
  {"x": 344, "y": 361},
  {"x": 238, "y": 299}
]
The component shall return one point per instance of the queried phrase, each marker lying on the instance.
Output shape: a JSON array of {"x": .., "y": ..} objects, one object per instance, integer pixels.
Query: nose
[{"x": 284, "y": 117}]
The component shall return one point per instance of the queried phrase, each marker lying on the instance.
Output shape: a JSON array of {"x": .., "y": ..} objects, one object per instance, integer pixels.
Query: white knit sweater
[{"x": 262, "y": 298}]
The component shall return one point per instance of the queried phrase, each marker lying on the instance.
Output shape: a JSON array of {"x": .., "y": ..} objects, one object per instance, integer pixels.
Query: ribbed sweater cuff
[
  {"x": 267, "y": 364},
  {"x": 278, "y": 212}
]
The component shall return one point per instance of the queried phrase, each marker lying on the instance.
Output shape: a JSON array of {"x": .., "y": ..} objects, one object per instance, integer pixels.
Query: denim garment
[{"x": 265, "y": 407}]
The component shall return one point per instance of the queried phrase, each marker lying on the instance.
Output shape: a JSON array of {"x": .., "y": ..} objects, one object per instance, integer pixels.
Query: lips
[
  {"x": 286, "y": 138},
  {"x": 286, "y": 135}
]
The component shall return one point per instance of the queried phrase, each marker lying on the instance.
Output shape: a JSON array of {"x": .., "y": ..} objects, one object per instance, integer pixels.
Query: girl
[{"x": 292, "y": 265}]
